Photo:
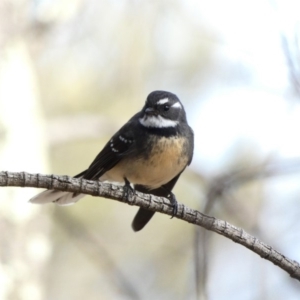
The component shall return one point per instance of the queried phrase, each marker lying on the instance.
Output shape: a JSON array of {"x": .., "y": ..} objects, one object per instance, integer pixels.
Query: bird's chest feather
[{"x": 163, "y": 159}]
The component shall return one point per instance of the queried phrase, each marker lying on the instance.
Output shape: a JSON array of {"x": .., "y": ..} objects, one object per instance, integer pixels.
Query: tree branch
[{"x": 157, "y": 204}]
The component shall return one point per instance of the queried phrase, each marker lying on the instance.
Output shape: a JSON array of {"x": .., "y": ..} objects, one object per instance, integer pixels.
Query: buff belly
[{"x": 161, "y": 164}]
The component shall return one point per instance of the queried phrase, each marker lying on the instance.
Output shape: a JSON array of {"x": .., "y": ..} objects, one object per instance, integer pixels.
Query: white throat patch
[{"x": 157, "y": 122}]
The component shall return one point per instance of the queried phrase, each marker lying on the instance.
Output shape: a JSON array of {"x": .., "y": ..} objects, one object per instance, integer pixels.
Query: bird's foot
[
  {"x": 174, "y": 204},
  {"x": 128, "y": 190}
]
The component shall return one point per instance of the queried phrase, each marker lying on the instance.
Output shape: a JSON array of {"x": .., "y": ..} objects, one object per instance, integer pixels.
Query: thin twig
[{"x": 158, "y": 204}]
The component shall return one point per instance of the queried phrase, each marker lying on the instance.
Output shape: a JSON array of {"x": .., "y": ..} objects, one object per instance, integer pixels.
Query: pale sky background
[{"x": 262, "y": 110}]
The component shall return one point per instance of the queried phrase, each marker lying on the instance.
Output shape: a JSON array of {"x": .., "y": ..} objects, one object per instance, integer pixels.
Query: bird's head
[{"x": 162, "y": 110}]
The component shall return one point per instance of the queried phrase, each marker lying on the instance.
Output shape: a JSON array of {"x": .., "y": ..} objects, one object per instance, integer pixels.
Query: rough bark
[{"x": 158, "y": 204}]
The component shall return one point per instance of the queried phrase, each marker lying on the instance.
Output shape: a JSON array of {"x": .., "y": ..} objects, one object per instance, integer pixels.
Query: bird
[{"x": 149, "y": 152}]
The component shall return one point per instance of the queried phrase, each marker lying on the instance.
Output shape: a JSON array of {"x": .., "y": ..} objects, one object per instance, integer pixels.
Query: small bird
[{"x": 150, "y": 152}]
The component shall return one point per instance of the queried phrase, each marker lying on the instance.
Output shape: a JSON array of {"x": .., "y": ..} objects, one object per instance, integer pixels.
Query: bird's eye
[{"x": 166, "y": 107}]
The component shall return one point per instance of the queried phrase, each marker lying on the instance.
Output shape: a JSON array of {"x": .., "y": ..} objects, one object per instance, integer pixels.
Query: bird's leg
[{"x": 127, "y": 189}]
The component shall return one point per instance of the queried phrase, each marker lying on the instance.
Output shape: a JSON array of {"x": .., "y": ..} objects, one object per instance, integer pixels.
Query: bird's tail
[
  {"x": 142, "y": 217},
  {"x": 58, "y": 197}
]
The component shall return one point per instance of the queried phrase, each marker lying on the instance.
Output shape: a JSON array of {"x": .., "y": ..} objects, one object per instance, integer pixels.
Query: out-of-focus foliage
[{"x": 92, "y": 64}]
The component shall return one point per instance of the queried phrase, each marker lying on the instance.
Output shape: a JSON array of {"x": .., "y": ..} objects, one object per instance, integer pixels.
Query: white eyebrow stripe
[
  {"x": 177, "y": 105},
  {"x": 163, "y": 101}
]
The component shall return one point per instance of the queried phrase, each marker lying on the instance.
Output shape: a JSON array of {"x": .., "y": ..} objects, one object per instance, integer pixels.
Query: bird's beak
[{"x": 150, "y": 111}]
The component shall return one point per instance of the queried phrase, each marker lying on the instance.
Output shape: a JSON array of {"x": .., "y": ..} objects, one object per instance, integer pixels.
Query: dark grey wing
[
  {"x": 120, "y": 145},
  {"x": 143, "y": 216},
  {"x": 190, "y": 135}
]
